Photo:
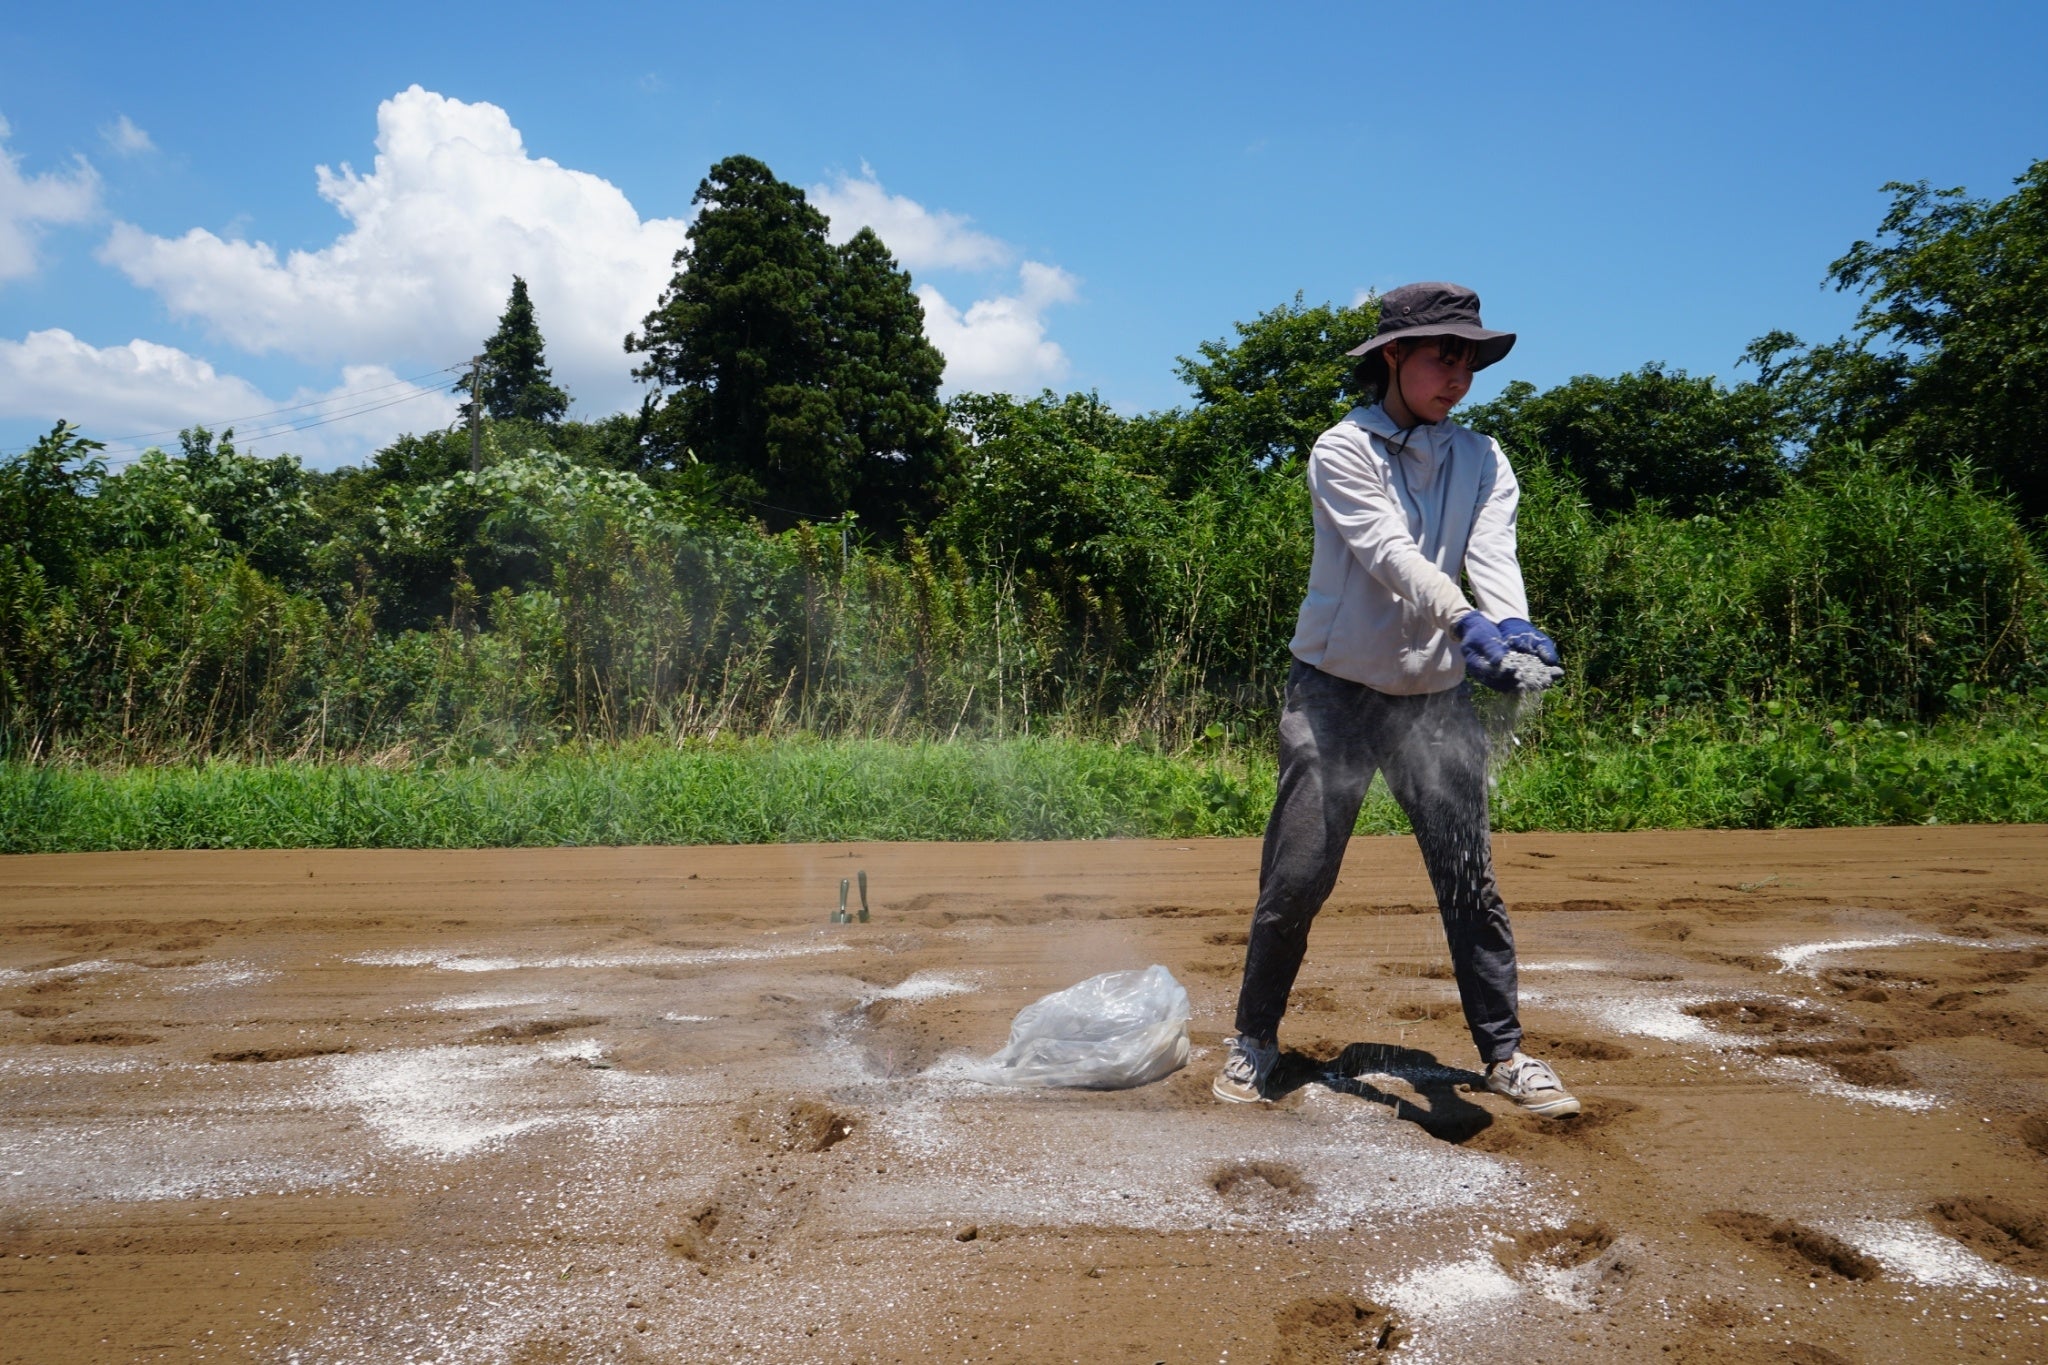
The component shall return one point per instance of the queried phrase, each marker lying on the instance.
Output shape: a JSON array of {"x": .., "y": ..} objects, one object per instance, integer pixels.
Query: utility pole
[{"x": 476, "y": 415}]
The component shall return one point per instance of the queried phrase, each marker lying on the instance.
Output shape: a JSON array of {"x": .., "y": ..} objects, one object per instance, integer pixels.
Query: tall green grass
[{"x": 1690, "y": 771}]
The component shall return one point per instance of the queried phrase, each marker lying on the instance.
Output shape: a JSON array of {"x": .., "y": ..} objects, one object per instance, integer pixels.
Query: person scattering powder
[{"x": 1387, "y": 650}]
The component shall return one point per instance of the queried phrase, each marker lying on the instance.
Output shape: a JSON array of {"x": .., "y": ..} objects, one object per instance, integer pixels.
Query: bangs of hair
[{"x": 1451, "y": 350}]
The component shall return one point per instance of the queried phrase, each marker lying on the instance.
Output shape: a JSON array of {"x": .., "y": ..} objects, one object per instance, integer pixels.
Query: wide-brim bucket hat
[{"x": 1436, "y": 309}]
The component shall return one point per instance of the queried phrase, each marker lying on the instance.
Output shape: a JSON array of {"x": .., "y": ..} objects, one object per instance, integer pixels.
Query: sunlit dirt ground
[{"x": 648, "y": 1105}]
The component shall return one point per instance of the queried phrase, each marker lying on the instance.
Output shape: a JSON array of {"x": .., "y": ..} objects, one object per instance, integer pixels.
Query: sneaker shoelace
[
  {"x": 1242, "y": 1065},
  {"x": 1527, "y": 1073}
]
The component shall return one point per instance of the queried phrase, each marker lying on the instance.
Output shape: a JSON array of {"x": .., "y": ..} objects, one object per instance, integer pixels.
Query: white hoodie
[{"x": 1392, "y": 533}]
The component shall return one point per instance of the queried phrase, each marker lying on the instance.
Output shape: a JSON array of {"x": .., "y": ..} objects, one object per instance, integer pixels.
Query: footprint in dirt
[
  {"x": 803, "y": 1126},
  {"x": 1565, "y": 1248},
  {"x": 1857, "y": 1061},
  {"x": 1415, "y": 1012},
  {"x": 2034, "y": 1132},
  {"x": 1335, "y": 1328},
  {"x": 1260, "y": 1186},
  {"x": 1428, "y": 971},
  {"x": 694, "y": 1240},
  {"x": 531, "y": 1030},
  {"x": 1579, "y": 1260},
  {"x": 1868, "y": 985},
  {"x": 1590, "y": 1130},
  {"x": 1719, "y": 1350},
  {"x": 1758, "y": 1016},
  {"x": 1997, "y": 1231},
  {"x": 1801, "y": 1248},
  {"x": 289, "y": 1053},
  {"x": 100, "y": 1037},
  {"x": 1577, "y": 1049}
]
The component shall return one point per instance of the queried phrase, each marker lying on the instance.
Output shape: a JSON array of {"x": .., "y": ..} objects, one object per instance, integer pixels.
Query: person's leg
[
  {"x": 1325, "y": 767},
  {"x": 1436, "y": 768}
]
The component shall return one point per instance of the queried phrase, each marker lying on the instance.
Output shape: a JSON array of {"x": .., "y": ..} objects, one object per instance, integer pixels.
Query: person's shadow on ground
[{"x": 1447, "y": 1115}]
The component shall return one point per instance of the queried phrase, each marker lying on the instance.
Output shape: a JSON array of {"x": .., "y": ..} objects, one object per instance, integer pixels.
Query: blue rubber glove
[
  {"x": 1486, "y": 653},
  {"x": 1526, "y": 639}
]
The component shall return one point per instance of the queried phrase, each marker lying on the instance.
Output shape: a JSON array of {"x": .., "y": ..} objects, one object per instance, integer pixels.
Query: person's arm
[
  {"x": 1491, "y": 563},
  {"x": 1351, "y": 487},
  {"x": 1495, "y": 569}
]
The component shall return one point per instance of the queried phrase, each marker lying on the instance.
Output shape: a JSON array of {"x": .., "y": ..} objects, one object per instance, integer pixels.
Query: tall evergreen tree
[
  {"x": 799, "y": 371},
  {"x": 885, "y": 381},
  {"x": 517, "y": 381}
]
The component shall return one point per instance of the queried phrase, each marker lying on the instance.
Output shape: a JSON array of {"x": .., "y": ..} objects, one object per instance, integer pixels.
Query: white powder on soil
[
  {"x": 443, "y": 960},
  {"x": 925, "y": 986},
  {"x": 1914, "y": 1251},
  {"x": 1450, "y": 1290},
  {"x": 489, "y": 1000},
  {"x": 1816, "y": 1077},
  {"x": 1056, "y": 1159},
  {"x": 11, "y": 977},
  {"x": 438, "y": 1101},
  {"x": 1796, "y": 956},
  {"x": 215, "y": 976}
]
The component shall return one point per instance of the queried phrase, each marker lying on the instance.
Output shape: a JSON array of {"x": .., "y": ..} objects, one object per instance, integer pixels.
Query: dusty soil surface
[{"x": 648, "y": 1105}]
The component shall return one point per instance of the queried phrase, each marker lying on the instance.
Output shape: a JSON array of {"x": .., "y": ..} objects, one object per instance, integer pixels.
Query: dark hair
[{"x": 1369, "y": 378}]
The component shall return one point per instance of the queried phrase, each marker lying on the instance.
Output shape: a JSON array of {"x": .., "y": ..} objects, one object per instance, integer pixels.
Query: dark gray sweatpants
[{"x": 1334, "y": 735}]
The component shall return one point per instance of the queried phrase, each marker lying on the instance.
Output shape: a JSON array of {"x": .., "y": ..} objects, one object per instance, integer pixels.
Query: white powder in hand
[{"x": 1531, "y": 674}]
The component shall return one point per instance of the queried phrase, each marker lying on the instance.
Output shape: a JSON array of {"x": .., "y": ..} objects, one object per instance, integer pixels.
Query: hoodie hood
[{"x": 1419, "y": 452}]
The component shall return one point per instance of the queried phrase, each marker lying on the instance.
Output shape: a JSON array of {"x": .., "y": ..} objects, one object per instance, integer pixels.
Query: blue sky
[{"x": 1089, "y": 191}]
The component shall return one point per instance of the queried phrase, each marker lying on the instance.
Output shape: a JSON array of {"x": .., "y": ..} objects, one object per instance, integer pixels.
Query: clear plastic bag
[{"x": 1109, "y": 1032}]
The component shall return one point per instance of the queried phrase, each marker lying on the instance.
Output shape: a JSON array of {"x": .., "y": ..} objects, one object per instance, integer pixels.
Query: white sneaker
[
  {"x": 1532, "y": 1085},
  {"x": 1243, "y": 1078}
]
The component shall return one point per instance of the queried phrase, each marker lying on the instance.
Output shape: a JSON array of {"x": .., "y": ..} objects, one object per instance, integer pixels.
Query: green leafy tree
[
  {"x": 1653, "y": 435},
  {"x": 517, "y": 383},
  {"x": 1949, "y": 360},
  {"x": 799, "y": 371},
  {"x": 46, "y": 502},
  {"x": 1262, "y": 400},
  {"x": 212, "y": 498}
]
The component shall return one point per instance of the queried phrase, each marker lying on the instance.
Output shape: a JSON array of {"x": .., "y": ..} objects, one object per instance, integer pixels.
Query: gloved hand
[
  {"x": 1486, "y": 653},
  {"x": 1526, "y": 639}
]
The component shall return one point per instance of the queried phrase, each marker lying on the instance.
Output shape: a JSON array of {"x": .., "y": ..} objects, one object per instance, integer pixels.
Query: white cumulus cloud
[
  {"x": 455, "y": 204},
  {"x": 1000, "y": 343},
  {"x": 29, "y": 203},
  {"x": 917, "y": 236},
  {"x": 994, "y": 343},
  {"x": 124, "y": 137},
  {"x": 452, "y": 208},
  {"x": 149, "y": 391}
]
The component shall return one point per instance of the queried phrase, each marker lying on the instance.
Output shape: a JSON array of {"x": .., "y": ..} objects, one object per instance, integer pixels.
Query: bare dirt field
[{"x": 648, "y": 1105}]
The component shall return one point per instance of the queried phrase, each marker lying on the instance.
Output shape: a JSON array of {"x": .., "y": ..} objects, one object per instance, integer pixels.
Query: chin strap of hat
[{"x": 1407, "y": 432}]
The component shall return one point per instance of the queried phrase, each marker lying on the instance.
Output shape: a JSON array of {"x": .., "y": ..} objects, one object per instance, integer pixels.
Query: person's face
[{"x": 1430, "y": 385}]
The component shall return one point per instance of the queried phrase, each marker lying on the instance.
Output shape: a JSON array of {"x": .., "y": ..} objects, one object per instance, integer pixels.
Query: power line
[
  {"x": 295, "y": 407},
  {"x": 126, "y": 445},
  {"x": 126, "y": 456}
]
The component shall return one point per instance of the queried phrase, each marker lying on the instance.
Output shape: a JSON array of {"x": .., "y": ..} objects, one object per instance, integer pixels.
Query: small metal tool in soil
[
  {"x": 863, "y": 895},
  {"x": 840, "y": 916}
]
